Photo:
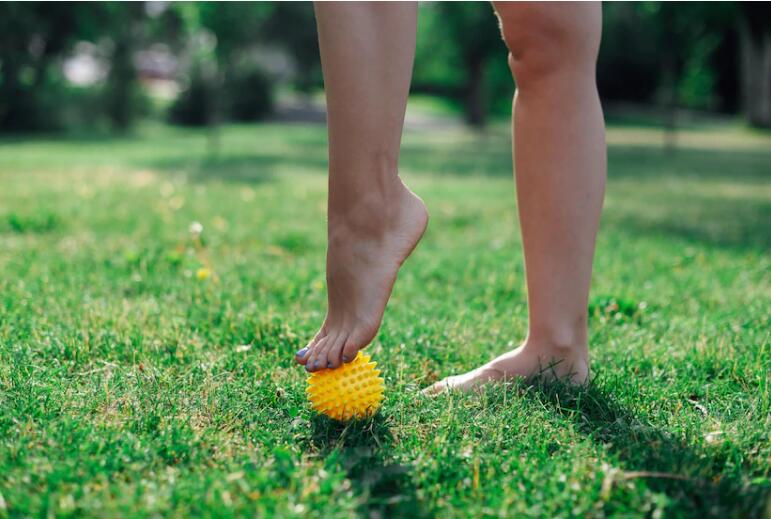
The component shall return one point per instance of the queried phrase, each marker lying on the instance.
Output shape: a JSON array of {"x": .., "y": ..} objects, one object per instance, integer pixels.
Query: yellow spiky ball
[{"x": 354, "y": 390}]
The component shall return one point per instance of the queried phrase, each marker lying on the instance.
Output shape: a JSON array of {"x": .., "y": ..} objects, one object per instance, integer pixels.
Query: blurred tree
[
  {"x": 34, "y": 39},
  {"x": 668, "y": 52},
  {"x": 249, "y": 94},
  {"x": 471, "y": 29},
  {"x": 32, "y": 36},
  {"x": 241, "y": 90},
  {"x": 628, "y": 64},
  {"x": 220, "y": 38},
  {"x": 292, "y": 26},
  {"x": 196, "y": 105},
  {"x": 122, "y": 24},
  {"x": 236, "y": 26},
  {"x": 676, "y": 55},
  {"x": 755, "y": 30},
  {"x": 241, "y": 28}
]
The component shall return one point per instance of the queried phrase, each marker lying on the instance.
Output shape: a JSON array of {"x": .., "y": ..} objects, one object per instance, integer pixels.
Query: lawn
[{"x": 134, "y": 383}]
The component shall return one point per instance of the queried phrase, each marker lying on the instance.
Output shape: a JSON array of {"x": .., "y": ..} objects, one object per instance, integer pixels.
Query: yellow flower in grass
[{"x": 203, "y": 274}]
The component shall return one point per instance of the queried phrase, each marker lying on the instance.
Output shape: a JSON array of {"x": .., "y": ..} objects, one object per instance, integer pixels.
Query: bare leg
[
  {"x": 367, "y": 50},
  {"x": 560, "y": 162}
]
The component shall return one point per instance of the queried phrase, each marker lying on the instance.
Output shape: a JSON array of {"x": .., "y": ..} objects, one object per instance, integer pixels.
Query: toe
[
  {"x": 312, "y": 362},
  {"x": 335, "y": 352},
  {"x": 349, "y": 351},
  {"x": 320, "y": 362},
  {"x": 436, "y": 388},
  {"x": 303, "y": 355},
  {"x": 471, "y": 381}
]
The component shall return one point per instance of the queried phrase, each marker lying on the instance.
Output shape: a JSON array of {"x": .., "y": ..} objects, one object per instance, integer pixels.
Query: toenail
[
  {"x": 346, "y": 358},
  {"x": 316, "y": 364},
  {"x": 329, "y": 364},
  {"x": 302, "y": 352}
]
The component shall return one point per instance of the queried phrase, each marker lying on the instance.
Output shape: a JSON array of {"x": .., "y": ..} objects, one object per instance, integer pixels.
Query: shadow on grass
[
  {"x": 252, "y": 169},
  {"x": 708, "y": 197},
  {"x": 699, "y": 219},
  {"x": 695, "y": 478},
  {"x": 652, "y": 162},
  {"x": 731, "y": 225},
  {"x": 365, "y": 450},
  {"x": 722, "y": 213},
  {"x": 237, "y": 168}
]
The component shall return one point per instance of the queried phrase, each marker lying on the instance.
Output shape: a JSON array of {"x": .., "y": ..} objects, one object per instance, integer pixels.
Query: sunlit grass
[{"x": 146, "y": 367}]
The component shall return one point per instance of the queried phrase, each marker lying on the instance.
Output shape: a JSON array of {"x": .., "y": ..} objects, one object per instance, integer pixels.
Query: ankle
[
  {"x": 369, "y": 212},
  {"x": 558, "y": 343}
]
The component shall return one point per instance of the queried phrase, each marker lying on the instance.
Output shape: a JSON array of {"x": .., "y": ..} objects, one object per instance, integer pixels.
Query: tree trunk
[
  {"x": 121, "y": 84},
  {"x": 755, "y": 45},
  {"x": 10, "y": 94},
  {"x": 670, "y": 75},
  {"x": 476, "y": 99}
]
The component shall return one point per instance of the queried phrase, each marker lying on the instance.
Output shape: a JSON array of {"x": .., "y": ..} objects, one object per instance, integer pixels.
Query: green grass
[{"x": 130, "y": 387}]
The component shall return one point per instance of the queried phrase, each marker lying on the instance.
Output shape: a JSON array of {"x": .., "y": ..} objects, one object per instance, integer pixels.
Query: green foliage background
[{"x": 666, "y": 55}]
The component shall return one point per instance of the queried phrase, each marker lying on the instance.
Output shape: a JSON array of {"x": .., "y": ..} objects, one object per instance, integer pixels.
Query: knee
[{"x": 550, "y": 40}]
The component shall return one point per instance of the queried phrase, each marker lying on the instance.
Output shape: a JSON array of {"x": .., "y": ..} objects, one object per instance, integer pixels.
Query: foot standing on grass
[{"x": 375, "y": 221}]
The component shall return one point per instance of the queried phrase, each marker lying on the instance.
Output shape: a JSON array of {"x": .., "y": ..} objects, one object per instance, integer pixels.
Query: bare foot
[
  {"x": 528, "y": 361},
  {"x": 367, "y": 244}
]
